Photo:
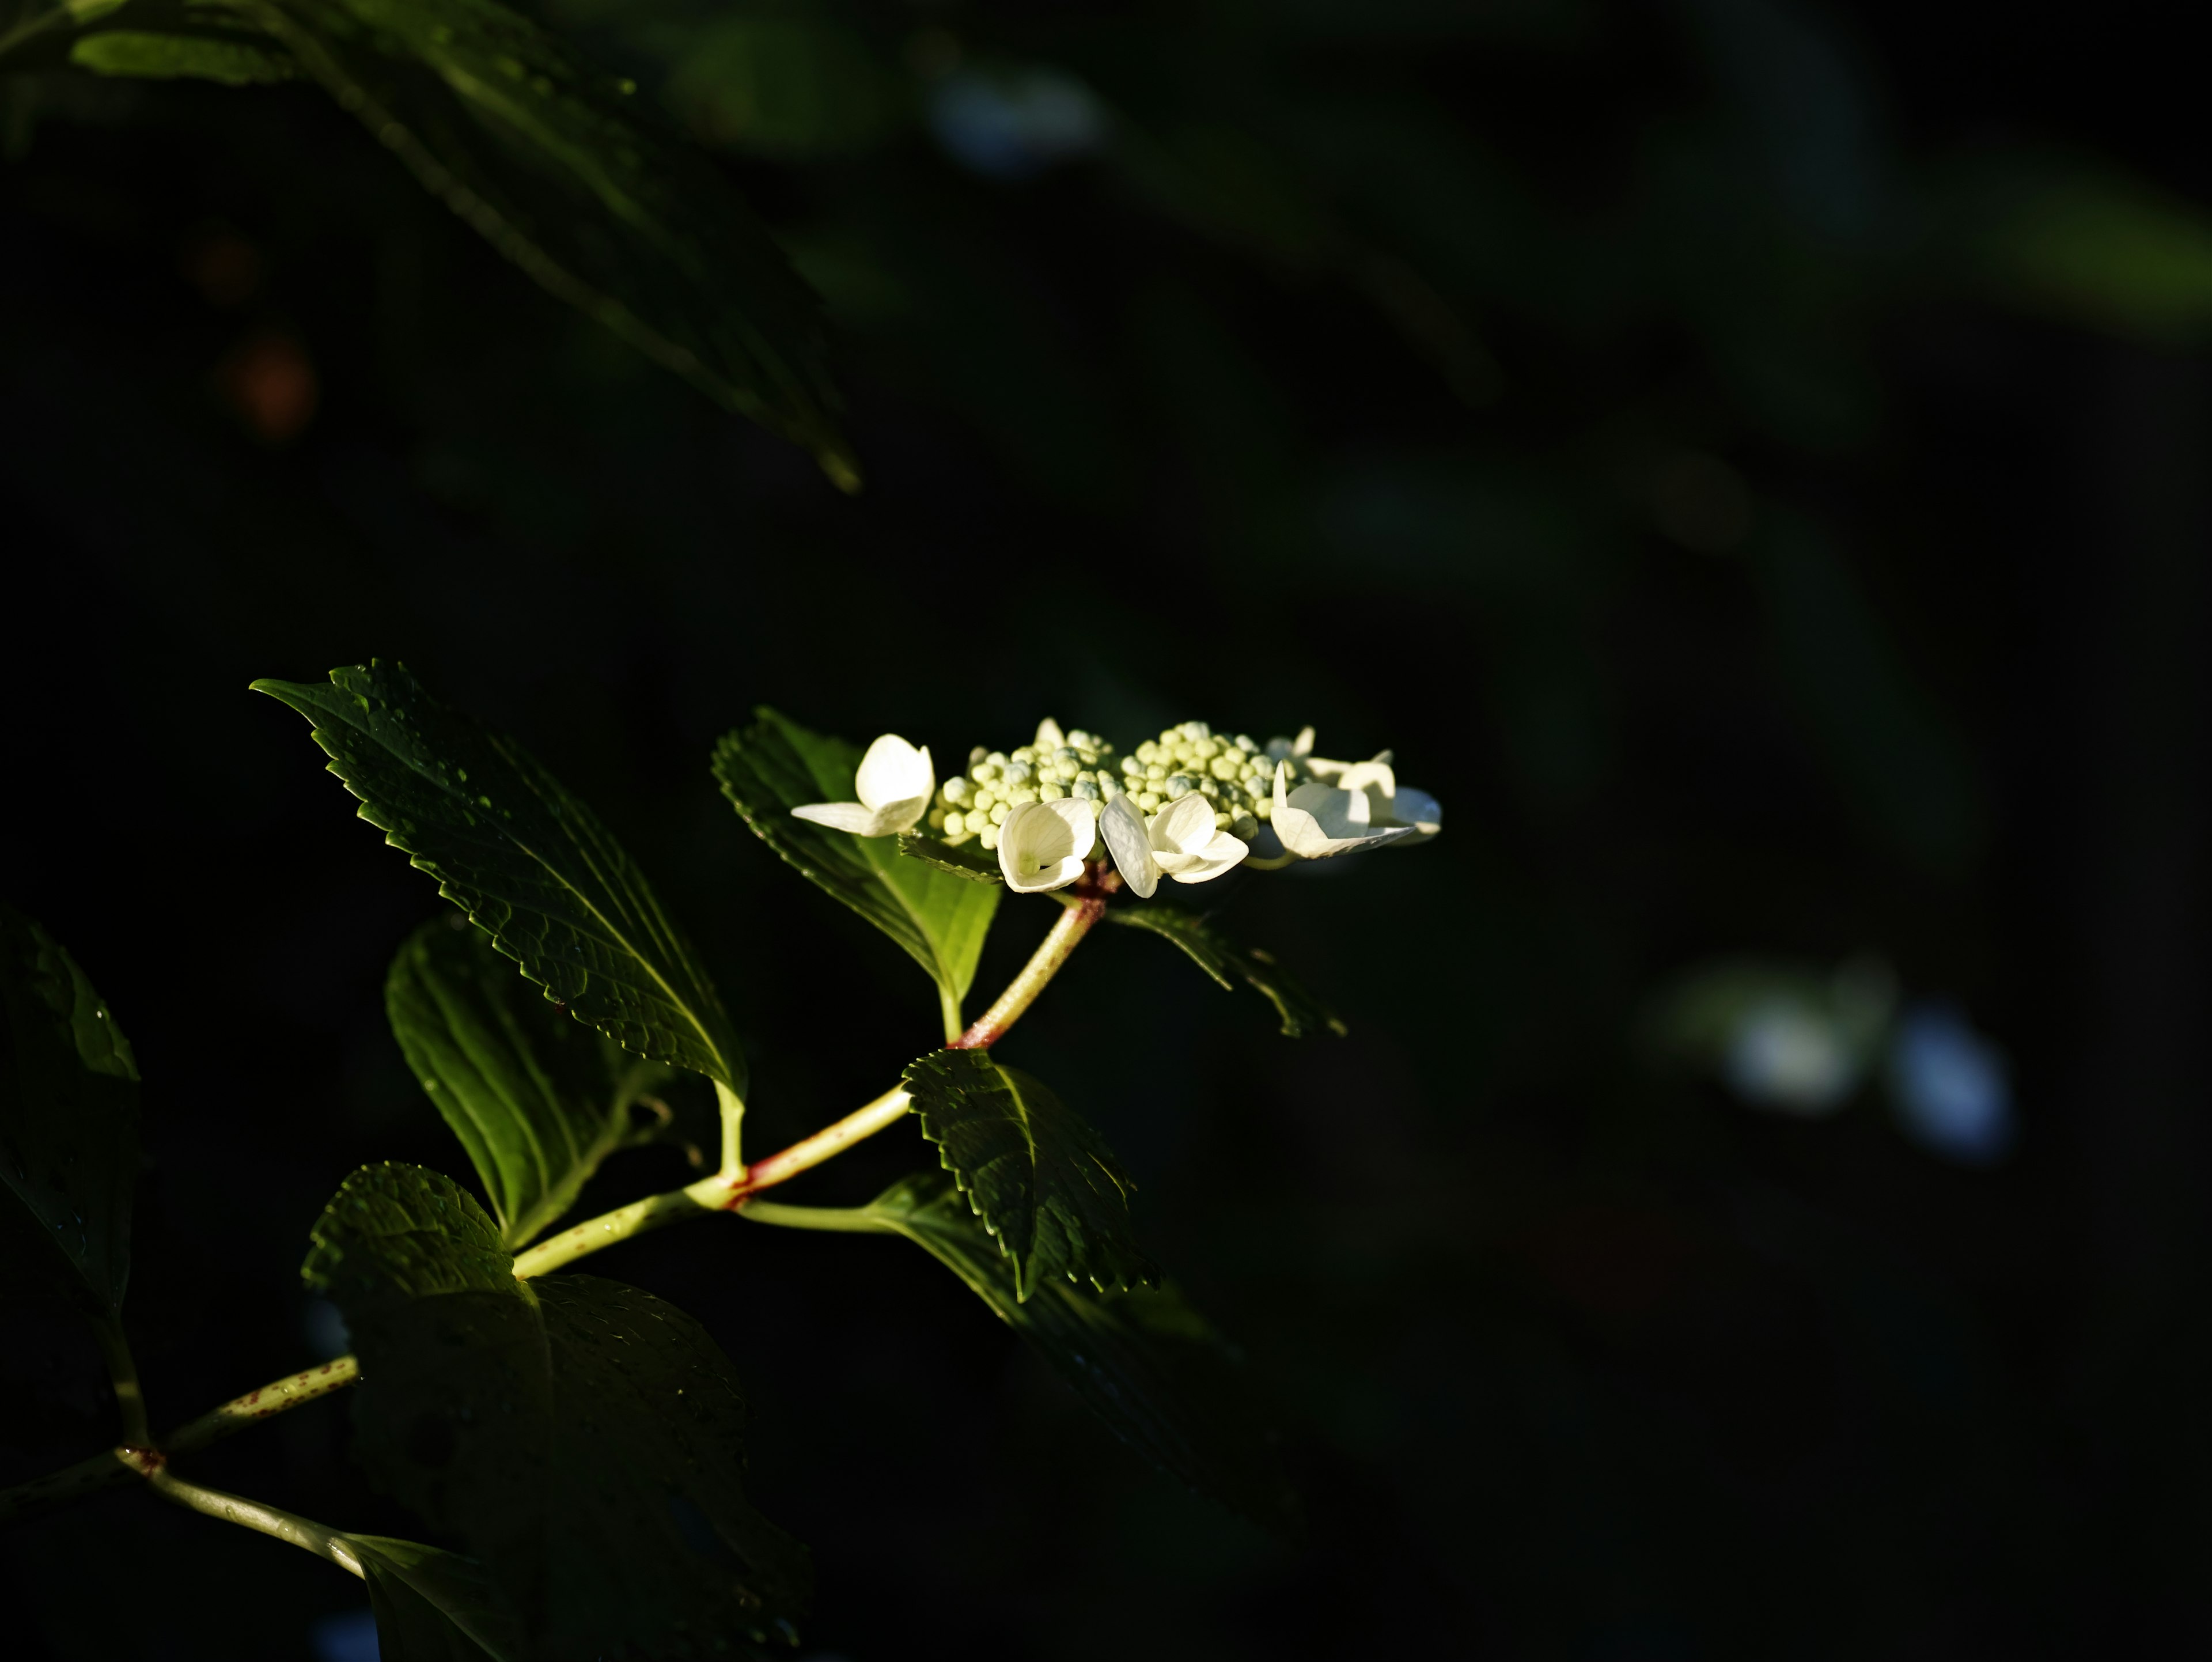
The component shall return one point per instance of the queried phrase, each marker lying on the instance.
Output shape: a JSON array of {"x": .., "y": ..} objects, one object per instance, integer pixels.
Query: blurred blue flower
[
  {"x": 1952, "y": 1087},
  {"x": 1015, "y": 125},
  {"x": 1785, "y": 1053},
  {"x": 351, "y": 1637}
]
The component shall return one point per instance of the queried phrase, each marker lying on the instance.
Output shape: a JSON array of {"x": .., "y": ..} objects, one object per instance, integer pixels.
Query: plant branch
[
  {"x": 323, "y": 1542},
  {"x": 123, "y": 1371},
  {"x": 1085, "y": 907},
  {"x": 846, "y": 1219}
]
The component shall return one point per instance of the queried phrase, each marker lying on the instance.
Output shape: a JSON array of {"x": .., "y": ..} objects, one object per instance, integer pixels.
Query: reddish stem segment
[{"x": 1085, "y": 909}]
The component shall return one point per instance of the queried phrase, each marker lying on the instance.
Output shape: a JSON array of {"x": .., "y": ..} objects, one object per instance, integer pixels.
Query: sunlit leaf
[
  {"x": 583, "y": 1439},
  {"x": 1229, "y": 963},
  {"x": 537, "y": 1099},
  {"x": 776, "y": 765},
  {"x": 68, "y": 1123},
  {"x": 1043, "y": 1182},
  {"x": 432, "y": 1605},
  {"x": 530, "y": 864},
  {"x": 1142, "y": 1360}
]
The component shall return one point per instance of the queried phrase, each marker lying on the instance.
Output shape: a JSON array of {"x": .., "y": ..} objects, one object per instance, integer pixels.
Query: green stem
[
  {"x": 949, "y": 1007},
  {"x": 323, "y": 1542},
  {"x": 1085, "y": 909},
  {"x": 846, "y": 1219},
  {"x": 123, "y": 1371},
  {"x": 636, "y": 1219},
  {"x": 733, "y": 1121}
]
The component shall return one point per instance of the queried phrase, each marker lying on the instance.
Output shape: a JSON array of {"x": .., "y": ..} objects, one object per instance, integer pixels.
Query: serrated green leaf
[
  {"x": 581, "y": 1437},
  {"x": 537, "y": 1097},
  {"x": 432, "y": 1605},
  {"x": 1142, "y": 1360},
  {"x": 966, "y": 860},
  {"x": 941, "y": 920},
  {"x": 1043, "y": 1182},
  {"x": 1228, "y": 963},
  {"x": 235, "y": 63},
  {"x": 396, "y": 1232},
  {"x": 68, "y": 1123},
  {"x": 564, "y": 171},
  {"x": 529, "y": 863}
]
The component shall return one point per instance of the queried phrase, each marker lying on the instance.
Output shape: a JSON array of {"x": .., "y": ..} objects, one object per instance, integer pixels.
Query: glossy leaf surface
[
  {"x": 529, "y": 863},
  {"x": 1229, "y": 963},
  {"x": 69, "y": 1124},
  {"x": 1143, "y": 1359},
  {"x": 940, "y": 919},
  {"x": 432, "y": 1605},
  {"x": 1040, "y": 1178},
  {"x": 537, "y": 1097},
  {"x": 966, "y": 860}
]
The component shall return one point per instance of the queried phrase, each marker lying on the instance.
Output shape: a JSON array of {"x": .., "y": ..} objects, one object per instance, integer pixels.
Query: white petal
[
  {"x": 1369, "y": 776},
  {"x": 1122, "y": 824},
  {"x": 895, "y": 771},
  {"x": 1043, "y": 845},
  {"x": 888, "y": 820},
  {"x": 1317, "y": 821},
  {"x": 1218, "y": 855},
  {"x": 1303, "y": 743},
  {"x": 1418, "y": 809},
  {"x": 1049, "y": 738},
  {"x": 1184, "y": 826}
]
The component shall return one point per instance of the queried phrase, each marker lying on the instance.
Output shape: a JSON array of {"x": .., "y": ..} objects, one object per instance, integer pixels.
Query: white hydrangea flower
[
  {"x": 1043, "y": 845},
  {"x": 1347, "y": 807},
  {"x": 894, "y": 783},
  {"x": 1185, "y": 840}
]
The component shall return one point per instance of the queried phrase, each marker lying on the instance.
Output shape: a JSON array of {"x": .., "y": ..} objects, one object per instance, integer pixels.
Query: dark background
[{"x": 1749, "y": 460}]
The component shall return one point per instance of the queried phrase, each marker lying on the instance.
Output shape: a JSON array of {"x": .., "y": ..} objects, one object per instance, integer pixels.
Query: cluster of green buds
[
  {"x": 1236, "y": 775},
  {"x": 1052, "y": 766}
]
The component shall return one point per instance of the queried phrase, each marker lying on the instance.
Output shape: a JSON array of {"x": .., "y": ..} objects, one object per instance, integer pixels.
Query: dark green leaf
[
  {"x": 1229, "y": 963},
  {"x": 238, "y": 62},
  {"x": 776, "y": 765},
  {"x": 1041, "y": 1178},
  {"x": 528, "y": 862},
  {"x": 582, "y": 1439},
  {"x": 396, "y": 1232},
  {"x": 561, "y": 169},
  {"x": 433, "y": 1605},
  {"x": 963, "y": 859},
  {"x": 68, "y": 1121},
  {"x": 537, "y": 1099},
  {"x": 1142, "y": 1360}
]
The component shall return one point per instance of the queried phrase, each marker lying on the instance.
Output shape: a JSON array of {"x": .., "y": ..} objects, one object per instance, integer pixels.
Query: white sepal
[
  {"x": 894, "y": 782},
  {"x": 1043, "y": 845},
  {"x": 1122, "y": 826},
  {"x": 1186, "y": 843}
]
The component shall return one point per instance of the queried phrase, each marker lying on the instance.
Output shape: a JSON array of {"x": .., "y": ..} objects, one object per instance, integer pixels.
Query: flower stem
[
  {"x": 846, "y": 1219},
  {"x": 130, "y": 1401},
  {"x": 1087, "y": 906},
  {"x": 323, "y": 1542},
  {"x": 636, "y": 1219}
]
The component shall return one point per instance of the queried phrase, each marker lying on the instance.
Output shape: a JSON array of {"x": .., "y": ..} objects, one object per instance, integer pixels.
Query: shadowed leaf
[
  {"x": 433, "y": 1605},
  {"x": 1142, "y": 1360},
  {"x": 582, "y": 1439},
  {"x": 1043, "y": 1182},
  {"x": 537, "y": 1097},
  {"x": 531, "y": 865},
  {"x": 69, "y": 1125},
  {"x": 1228, "y": 963}
]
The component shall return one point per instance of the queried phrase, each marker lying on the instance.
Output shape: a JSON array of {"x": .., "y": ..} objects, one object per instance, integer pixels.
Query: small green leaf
[
  {"x": 537, "y": 1099},
  {"x": 1228, "y": 963},
  {"x": 1144, "y": 1360},
  {"x": 962, "y": 860},
  {"x": 530, "y": 864},
  {"x": 68, "y": 1123},
  {"x": 432, "y": 1605},
  {"x": 565, "y": 172},
  {"x": 396, "y": 1232},
  {"x": 1041, "y": 1178},
  {"x": 582, "y": 1439},
  {"x": 776, "y": 765},
  {"x": 242, "y": 62}
]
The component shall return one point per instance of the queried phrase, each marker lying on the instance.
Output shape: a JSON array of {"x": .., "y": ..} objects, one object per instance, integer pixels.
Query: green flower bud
[
  {"x": 1225, "y": 766},
  {"x": 998, "y": 813},
  {"x": 988, "y": 836},
  {"x": 1049, "y": 793},
  {"x": 952, "y": 824}
]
